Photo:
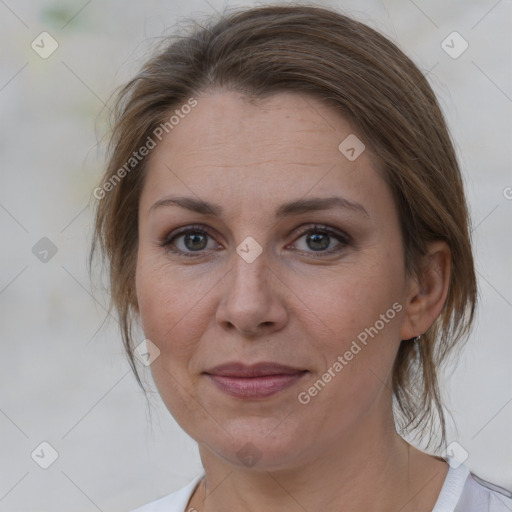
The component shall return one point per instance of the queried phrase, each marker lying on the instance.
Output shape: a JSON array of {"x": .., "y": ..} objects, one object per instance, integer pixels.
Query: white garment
[{"x": 461, "y": 492}]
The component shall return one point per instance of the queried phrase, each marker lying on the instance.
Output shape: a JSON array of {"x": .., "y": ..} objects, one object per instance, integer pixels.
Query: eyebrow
[{"x": 286, "y": 210}]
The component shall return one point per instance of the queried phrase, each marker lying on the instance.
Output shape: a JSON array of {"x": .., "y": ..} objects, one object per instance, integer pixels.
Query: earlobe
[{"x": 428, "y": 291}]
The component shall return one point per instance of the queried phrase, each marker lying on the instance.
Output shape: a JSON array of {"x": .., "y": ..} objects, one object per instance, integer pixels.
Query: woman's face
[{"x": 298, "y": 262}]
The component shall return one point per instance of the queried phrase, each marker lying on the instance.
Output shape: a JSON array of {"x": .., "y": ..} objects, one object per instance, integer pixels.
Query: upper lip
[{"x": 236, "y": 369}]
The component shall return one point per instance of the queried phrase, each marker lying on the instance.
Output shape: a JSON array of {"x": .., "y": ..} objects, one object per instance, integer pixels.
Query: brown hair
[{"x": 317, "y": 51}]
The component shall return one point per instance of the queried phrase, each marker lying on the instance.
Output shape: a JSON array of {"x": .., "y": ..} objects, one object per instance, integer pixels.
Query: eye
[
  {"x": 322, "y": 239},
  {"x": 190, "y": 241},
  {"x": 195, "y": 241}
]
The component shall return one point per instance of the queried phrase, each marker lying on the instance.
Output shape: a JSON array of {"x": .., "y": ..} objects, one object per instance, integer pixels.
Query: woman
[{"x": 284, "y": 214}]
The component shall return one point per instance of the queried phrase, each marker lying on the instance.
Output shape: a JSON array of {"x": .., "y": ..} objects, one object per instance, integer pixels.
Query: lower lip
[{"x": 255, "y": 387}]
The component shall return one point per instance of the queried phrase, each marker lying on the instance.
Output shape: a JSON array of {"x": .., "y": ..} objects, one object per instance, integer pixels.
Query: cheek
[
  {"x": 169, "y": 304},
  {"x": 171, "y": 315},
  {"x": 355, "y": 365},
  {"x": 354, "y": 299},
  {"x": 362, "y": 312}
]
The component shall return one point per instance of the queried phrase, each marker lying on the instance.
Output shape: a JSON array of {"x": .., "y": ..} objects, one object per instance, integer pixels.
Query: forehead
[
  {"x": 286, "y": 144},
  {"x": 228, "y": 126}
]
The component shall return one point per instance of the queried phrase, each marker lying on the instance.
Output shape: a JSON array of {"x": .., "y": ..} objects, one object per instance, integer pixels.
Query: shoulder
[
  {"x": 463, "y": 491},
  {"x": 478, "y": 494},
  {"x": 174, "y": 502}
]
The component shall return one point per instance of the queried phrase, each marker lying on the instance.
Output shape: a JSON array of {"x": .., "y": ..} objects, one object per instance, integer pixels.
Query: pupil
[
  {"x": 318, "y": 241},
  {"x": 195, "y": 240}
]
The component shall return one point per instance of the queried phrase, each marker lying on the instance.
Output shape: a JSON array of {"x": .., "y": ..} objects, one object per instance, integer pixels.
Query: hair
[{"x": 350, "y": 66}]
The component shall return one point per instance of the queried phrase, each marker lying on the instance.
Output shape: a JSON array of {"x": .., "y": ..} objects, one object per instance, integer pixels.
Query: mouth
[{"x": 254, "y": 381}]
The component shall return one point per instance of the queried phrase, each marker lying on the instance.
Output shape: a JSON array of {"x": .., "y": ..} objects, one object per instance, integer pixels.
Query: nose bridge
[
  {"x": 249, "y": 300},
  {"x": 249, "y": 276}
]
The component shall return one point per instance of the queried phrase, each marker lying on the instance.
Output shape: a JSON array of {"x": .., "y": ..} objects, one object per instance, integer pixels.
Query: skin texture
[{"x": 291, "y": 305}]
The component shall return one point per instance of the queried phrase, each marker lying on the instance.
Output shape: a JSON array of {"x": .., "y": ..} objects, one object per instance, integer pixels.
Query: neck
[{"x": 370, "y": 468}]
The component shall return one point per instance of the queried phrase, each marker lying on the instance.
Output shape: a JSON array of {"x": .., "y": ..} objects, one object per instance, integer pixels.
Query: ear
[{"x": 427, "y": 291}]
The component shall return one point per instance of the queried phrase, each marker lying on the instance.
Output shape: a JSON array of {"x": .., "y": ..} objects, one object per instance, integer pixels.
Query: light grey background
[{"x": 63, "y": 375}]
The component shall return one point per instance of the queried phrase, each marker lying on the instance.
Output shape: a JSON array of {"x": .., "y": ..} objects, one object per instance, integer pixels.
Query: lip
[{"x": 254, "y": 381}]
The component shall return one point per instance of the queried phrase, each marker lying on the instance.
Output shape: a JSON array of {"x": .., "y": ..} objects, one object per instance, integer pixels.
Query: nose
[{"x": 251, "y": 302}]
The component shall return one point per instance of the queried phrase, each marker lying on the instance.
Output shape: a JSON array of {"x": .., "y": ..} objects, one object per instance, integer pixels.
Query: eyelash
[{"x": 342, "y": 237}]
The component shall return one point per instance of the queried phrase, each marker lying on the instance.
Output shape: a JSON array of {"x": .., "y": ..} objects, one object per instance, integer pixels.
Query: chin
[{"x": 258, "y": 443}]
